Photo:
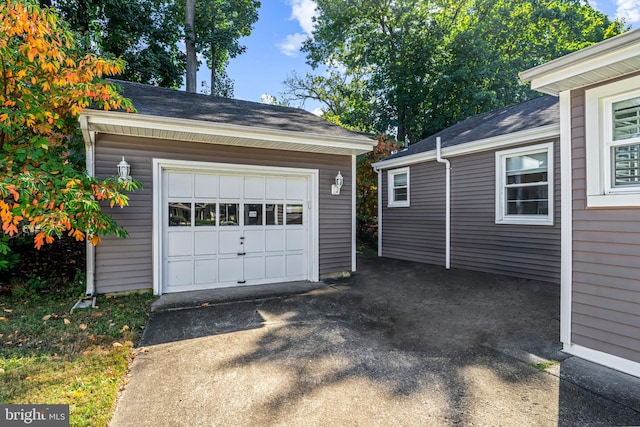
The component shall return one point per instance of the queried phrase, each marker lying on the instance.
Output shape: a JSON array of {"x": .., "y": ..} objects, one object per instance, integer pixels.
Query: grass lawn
[{"x": 48, "y": 356}]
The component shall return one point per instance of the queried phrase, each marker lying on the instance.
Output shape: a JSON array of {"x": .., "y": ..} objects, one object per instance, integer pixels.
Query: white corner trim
[
  {"x": 354, "y": 219},
  {"x": 141, "y": 124},
  {"x": 566, "y": 219},
  {"x": 609, "y": 360},
  {"x": 496, "y": 142},
  {"x": 159, "y": 165}
]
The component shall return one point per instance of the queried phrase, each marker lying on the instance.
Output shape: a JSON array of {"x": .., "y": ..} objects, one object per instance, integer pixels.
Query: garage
[
  {"x": 226, "y": 227},
  {"x": 234, "y": 193}
]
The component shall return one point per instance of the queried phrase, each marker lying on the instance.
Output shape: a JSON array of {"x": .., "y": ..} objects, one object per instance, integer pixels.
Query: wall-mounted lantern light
[
  {"x": 335, "y": 188},
  {"x": 124, "y": 171}
]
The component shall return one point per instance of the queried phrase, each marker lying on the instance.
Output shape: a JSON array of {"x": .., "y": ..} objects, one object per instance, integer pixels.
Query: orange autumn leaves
[{"x": 45, "y": 82}]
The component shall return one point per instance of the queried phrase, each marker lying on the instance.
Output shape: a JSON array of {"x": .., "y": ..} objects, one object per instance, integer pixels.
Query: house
[
  {"x": 235, "y": 193},
  {"x": 504, "y": 207},
  {"x": 548, "y": 189},
  {"x": 599, "y": 93}
]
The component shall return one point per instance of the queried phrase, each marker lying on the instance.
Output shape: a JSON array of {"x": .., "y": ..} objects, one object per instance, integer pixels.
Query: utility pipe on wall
[{"x": 447, "y": 190}]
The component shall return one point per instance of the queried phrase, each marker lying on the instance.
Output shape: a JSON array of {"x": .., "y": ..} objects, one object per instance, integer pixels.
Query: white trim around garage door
[{"x": 159, "y": 165}]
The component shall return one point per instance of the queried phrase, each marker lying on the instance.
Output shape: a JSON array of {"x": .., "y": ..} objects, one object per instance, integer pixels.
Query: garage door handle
[{"x": 242, "y": 253}]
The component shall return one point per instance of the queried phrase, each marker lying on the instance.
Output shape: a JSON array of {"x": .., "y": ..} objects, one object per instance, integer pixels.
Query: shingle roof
[
  {"x": 526, "y": 115},
  {"x": 163, "y": 102}
]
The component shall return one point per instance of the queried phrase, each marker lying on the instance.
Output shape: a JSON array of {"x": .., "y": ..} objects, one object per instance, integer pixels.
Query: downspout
[
  {"x": 447, "y": 203},
  {"x": 89, "y": 144},
  {"x": 376, "y": 170}
]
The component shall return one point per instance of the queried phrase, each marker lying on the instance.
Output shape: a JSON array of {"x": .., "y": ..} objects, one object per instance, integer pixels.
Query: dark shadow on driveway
[{"x": 398, "y": 344}]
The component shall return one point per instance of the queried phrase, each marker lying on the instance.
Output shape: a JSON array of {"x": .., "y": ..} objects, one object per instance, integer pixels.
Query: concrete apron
[{"x": 398, "y": 344}]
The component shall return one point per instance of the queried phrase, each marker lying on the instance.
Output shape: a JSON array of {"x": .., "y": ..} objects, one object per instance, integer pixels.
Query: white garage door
[{"x": 225, "y": 229}]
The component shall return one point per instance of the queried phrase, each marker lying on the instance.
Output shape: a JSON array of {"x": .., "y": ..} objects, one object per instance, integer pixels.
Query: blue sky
[{"x": 272, "y": 49}]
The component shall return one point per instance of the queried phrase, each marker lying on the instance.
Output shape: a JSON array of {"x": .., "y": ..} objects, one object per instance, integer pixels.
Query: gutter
[
  {"x": 376, "y": 170},
  {"x": 447, "y": 190}
]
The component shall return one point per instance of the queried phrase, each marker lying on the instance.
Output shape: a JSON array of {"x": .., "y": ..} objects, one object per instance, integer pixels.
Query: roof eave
[
  {"x": 147, "y": 126},
  {"x": 497, "y": 142},
  {"x": 606, "y": 60}
]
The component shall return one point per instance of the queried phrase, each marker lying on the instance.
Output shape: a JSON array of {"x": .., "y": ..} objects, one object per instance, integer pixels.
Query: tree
[
  {"x": 45, "y": 81},
  {"x": 429, "y": 64},
  {"x": 190, "y": 43},
  {"x": 145, "y": 33},
  {"x": 218, "y": 26},
  {"x": 345, "y": 96},
  {"x": 367, "y": 189}
]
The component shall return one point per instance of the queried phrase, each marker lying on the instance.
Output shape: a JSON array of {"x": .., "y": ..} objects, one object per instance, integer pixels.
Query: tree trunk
[
  {"x": 190, "y": 37},
  {"x": 214, "y": 63}
]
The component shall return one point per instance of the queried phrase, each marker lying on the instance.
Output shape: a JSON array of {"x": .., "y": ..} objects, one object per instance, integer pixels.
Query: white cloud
[
  {"x": 291, "y": 45},
  {"x": 593, "y": 4},
  {"x": 302, "y": 11},
  {"x": 629, "y": 10}
]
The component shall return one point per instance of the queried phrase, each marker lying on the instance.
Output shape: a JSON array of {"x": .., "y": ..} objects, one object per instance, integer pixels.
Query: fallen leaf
[
  {"x": 4, "y": 319},
  {"x": 47, "y": 317},
  {"x": 124, "y": 328},
  {"x": 86, "y": 353},
  {"x": 7, "y": 310},
  {"x": 67, "y": 321},
  {"x": 82, "y": 326},
  {"x": 92, "y": 338},
  {"x": 117, "y": 344},
  {"x": 109, "y": 373},
  {"x": 97, "y": 315},
  {"x": 28, "y": 378},
  {"x": 206, "y": 304},
  {"x": 1, "y": 335},
  {"x": 9, "y": 343},
  {"x": 78, "y": 393},
  {"x": 1, "y": 370},
  {"x": 128, "y": 343}
]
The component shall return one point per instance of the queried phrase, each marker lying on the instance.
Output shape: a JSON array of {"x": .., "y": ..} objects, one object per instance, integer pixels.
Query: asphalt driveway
[{"x": 399, "y": 344}]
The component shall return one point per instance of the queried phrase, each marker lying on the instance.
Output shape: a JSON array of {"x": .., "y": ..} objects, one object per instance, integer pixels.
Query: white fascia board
[
  {"x": 493, "y": 143},
  {"x": 545, "y": 77},
  {"x": 355, "y": 145}
]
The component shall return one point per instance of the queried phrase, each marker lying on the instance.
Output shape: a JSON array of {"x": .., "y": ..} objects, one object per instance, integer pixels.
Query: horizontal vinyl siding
[
  {"x": 477, "y": 243},
  {"x": 606, "y": 262},
  {"x": 416, "y": 233},
  {"x": 124, "y": 264}
]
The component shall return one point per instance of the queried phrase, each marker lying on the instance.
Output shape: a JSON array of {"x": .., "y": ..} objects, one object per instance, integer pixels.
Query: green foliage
[
  {"x": 45, "y": 81},
  {"x": 144, "y": 33},
  {"x": 219, "y": 25},
  {"x": 367, "y": 190},
  {"x": 427, "y": 65}
]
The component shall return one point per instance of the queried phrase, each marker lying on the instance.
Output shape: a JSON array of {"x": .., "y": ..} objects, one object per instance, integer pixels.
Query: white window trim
[
  {"x": 598, "y": 104},
  {"x": 391, "y": 202},
  {"x": 501, "y": 216}
]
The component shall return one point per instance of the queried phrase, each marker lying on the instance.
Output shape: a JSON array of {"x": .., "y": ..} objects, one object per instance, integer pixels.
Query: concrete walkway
[{"x": 399, "y": 344}]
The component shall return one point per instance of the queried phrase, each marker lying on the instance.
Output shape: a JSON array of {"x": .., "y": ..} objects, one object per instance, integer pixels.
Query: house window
[
  {"x": 398, "y": 187},
  {"x": 613, "y": 144},
  {"x": 524, "y": 185},
  {"x": 625, "y": 156}
]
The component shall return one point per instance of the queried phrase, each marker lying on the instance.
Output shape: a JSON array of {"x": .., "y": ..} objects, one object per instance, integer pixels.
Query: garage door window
[
  {"x": 179, "y": 214},
  {"x": 229, "y": 214},
  {"x": 205, "y": 214},
  {"x": 275, "y": 214},
  {"x": 294, "y": 214},
  {"x": 252, "y": 214}
]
